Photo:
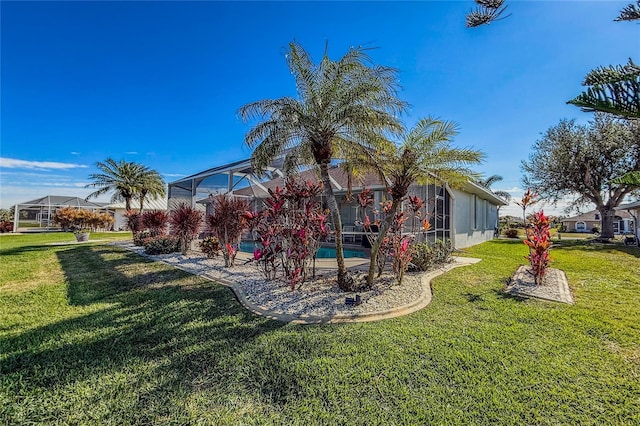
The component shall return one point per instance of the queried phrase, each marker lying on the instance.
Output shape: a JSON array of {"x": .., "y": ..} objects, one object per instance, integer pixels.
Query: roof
[
  {"x": 149, "y": 204},
  {"x": 591, "y": 216},
  {"x": 62, "y": 201},
  {"x": 339, "y": 181},
  {"x": 630, "y": 206}
]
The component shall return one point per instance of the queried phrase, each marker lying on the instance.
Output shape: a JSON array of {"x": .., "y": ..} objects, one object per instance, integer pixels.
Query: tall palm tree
[
  {"x": 151, "y": 184},
  {"x": 424, "y": 155},
  {"x": 343, "y": 107},
  {"x": 127, "y": 180}
]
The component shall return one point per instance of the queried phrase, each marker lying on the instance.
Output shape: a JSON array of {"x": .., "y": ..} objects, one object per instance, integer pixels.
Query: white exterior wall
[
  {"x": 120, "y": 221},
  {"x": 474, "y": 222}
]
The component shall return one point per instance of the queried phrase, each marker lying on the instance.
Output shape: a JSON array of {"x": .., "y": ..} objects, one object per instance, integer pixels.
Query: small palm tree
[
  {"x": 424, "y": 155},
  {"x": 343, "y": 108}
]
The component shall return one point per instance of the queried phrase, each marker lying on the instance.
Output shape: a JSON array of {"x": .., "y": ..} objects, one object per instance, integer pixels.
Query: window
[
  {"x": 597, "y": 216},
  {"x": 581, "y": 226}
]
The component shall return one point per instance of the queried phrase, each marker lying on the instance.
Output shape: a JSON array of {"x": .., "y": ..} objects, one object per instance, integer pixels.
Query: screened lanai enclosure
[
  {"x": 239, "y": 180},
  {"x": 38, "y": 214}
]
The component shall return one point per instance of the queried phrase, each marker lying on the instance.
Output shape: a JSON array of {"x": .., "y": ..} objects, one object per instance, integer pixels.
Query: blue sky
[{"x": 160, "y": 82}]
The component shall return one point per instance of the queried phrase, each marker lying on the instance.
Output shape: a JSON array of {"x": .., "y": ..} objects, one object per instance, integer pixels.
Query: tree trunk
[
  {"x": 127, "y": 204},
  {"x": 343, "y": 282},
  {"x": 384, "y": 229},
  {"x": 607, "y": 215}
]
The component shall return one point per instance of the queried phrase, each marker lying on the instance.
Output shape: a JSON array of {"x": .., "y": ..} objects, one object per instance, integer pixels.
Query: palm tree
[
  {"x": 423, "y": 156},
  {"x": 127, "y": 180},
  {"x": 343, "y": 108},
  {"x": 151, "y": 184},
  {"x": 488, "y": 182}
]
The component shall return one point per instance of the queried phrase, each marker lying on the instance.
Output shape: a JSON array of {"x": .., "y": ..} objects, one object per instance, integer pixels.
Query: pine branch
[{"x": 630, "y": 13}]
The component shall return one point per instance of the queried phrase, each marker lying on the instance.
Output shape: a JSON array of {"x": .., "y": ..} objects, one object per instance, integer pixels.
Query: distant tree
[
  {"x": 127, "y": 180},
  {"x": 343, "y": 107},
  {"x": 488, "y": 11},
  {"x": 585, "y": 161},
  {"x": 6, "y": 214}
]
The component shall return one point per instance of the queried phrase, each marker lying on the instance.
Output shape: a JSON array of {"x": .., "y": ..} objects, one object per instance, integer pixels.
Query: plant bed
[{"x": 554, "y": 285}]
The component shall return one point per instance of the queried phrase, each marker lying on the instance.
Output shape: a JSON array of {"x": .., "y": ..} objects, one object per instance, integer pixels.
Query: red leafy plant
[
  {"x": 289, "y": 230},
  {"x": 227, "y": 223},
  {"x": 185, "y": 224},
  {"x": 394, "y": 245},
  {"x": 156, "y": 222},
  {"x": 539, "y": 243}
]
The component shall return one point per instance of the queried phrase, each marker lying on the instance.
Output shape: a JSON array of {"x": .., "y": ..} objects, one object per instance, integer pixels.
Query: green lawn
[{"x": 91, "y": 334}]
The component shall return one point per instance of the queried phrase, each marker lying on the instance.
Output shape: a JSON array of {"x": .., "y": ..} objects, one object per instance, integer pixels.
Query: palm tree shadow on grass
[{"x": 149, "y": 318}]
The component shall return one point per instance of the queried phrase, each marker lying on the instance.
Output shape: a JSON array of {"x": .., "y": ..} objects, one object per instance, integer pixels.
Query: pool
[{"x": 323, "y": 252}]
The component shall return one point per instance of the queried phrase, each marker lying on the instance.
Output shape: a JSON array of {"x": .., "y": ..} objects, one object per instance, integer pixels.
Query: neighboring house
[
  {"x": 465, "y": 216},
  {"x": 39, "y": 212},
  {"x": 633, "y": 209},
  {"x": 118, "y": 209},
  {"x": 622, "y": 223}
]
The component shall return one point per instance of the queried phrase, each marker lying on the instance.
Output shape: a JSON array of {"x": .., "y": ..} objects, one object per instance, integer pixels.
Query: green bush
[
  {"x": 141, "y": 237},
  {"x": 511, "y": 233},
  {"x": 161, "y": 245},
  {"x": 430, "y": 255}
]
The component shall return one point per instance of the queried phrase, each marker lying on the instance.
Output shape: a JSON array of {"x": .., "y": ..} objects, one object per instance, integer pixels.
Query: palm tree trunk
[
  {"x": 343, "y": 282},
  {"x": 127, "y": 203},
  {"x": 384, "y": 229}
]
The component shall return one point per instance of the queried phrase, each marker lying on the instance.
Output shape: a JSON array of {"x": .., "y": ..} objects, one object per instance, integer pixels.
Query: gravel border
[
  {"x": 318, "y": 300},
  {"x": 555, "y": 286}
]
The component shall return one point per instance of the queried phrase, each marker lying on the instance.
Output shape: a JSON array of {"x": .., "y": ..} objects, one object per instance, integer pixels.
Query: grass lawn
[{"x": 94, "y": 334}]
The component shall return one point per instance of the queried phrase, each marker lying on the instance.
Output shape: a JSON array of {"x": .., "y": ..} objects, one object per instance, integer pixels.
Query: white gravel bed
[{"x": 316, "y": 297}]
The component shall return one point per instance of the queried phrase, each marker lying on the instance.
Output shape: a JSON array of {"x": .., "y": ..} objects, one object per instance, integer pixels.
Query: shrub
[
  {"x": 595, "y": 230},
  {"x": 511, "y": 233},
  {"x": 210, "y": 246},
  {"x": 430, "y": 255},
  {"x": 227, "y": 224},
  {"x": 289, "y": 231},
  {"x": 163, "y": 244},
  {"x": 156, "y": 221},
  {"x": 185, "y": 224},
  {"x": 6, "y": 226},
  {"x": 539, "y": 243},
  {"x": 141, "y": 237},
  {"x": 74, "y": 219}
]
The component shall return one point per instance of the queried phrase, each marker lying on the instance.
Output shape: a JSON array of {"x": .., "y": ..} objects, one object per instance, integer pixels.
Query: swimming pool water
[{"x": 323, "y": 252}]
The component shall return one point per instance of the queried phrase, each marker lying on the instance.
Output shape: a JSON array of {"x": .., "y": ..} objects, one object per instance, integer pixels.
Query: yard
[{"x": 94, "y": 334}]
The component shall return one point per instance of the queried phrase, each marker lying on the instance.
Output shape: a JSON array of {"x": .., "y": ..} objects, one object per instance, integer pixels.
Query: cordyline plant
[
  {"x": 539, "y": 243},
  {"x": 227, "y": 223},
  {"x": 185, "y": 224},
  {"x": 392, "y": 243},
  {"x": 156, "y": 222},
  {"x": 289, "y": 230}
]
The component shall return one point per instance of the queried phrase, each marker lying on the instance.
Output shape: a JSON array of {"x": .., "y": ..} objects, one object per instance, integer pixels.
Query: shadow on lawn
[{"x": 189, "y": 331}]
